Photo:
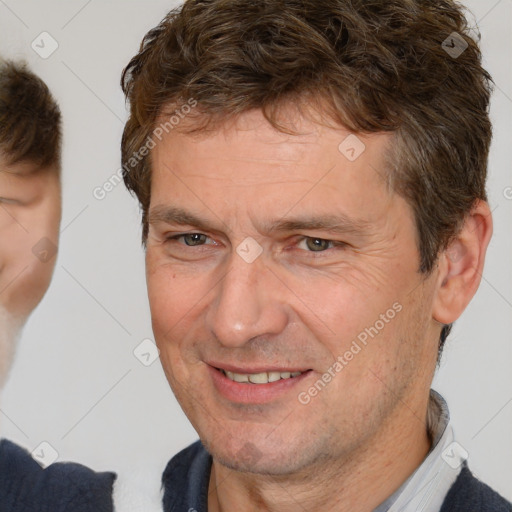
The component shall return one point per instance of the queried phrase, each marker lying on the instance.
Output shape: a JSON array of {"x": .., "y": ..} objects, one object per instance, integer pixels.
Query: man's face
[
  {"x": 338, "y": 256},
  {"x": 30, "y": 211}
]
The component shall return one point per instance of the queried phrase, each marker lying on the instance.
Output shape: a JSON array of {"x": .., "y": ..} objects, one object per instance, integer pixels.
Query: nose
[{"x": 249, "y": 302}]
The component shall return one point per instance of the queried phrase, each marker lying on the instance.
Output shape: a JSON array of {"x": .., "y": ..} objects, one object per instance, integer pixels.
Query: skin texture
[
  {"x": 364, "y": 433},
  {"x": 30, "y": 210}
]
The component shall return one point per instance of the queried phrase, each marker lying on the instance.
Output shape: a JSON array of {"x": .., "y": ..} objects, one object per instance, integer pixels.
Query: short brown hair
[
  {"x": 30, "y": 119},
  {"x": 377, "y": 66}
]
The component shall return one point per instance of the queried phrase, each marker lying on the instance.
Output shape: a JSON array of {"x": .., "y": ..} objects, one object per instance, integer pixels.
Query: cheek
[
  {"x": 165, "y": 297},
  {"x": 358, "y": 328},
  {"x": 27, "y": 282},
  {"x": 177, "y": 291},
  {"x": 49, "y": 218},
  {"x": 173, "y": 301},
  {"x": 172, "y": 322},
  {"x": 28, "y": 255},
  {"x": 335, "y": 308}
]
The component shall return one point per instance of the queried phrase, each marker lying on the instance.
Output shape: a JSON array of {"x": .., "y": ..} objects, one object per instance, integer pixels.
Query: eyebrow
[
  {"x": 174, "y": 215},
  {"x": 336, "y": 224}
]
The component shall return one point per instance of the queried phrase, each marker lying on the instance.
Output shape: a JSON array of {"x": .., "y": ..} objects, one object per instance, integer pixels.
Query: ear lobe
[{"x": 461, "y": 265}]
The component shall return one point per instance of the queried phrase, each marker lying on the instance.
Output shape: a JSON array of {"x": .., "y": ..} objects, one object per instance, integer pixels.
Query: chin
[
  {"x": 11, "y": 327},
  {"x": 259, "y": 458}
]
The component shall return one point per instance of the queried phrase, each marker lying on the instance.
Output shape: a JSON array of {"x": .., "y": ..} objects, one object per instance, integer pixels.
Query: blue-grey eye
[
  {"x": 317, "y": 244},
  {"x": 194, "y": 238}
]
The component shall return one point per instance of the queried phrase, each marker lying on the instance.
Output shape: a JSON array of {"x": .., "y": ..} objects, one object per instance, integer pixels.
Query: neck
[{"x": 360, "y": 481}]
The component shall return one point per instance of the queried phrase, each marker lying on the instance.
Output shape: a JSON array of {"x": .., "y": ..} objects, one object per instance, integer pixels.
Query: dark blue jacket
[
  {"x": 469, "y": 494},
  {"x": 62, "y": 487}
]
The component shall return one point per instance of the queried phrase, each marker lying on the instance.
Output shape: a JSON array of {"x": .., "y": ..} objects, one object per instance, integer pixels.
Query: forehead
[
  {"x": 258, "y": 152},
  {"x": 25, "y": 168}
]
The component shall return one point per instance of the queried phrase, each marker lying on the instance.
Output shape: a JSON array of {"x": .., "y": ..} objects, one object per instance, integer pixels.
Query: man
[
  {"x": 30, "y": 212},
  {"x": 311, "y": 176}
]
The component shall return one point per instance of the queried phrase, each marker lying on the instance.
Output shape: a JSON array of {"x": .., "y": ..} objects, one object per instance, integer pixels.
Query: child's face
[{"x": 30, "y": 212}]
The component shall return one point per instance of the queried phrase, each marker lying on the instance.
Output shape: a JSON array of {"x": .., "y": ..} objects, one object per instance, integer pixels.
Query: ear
[{"x": 461, "y": 265}]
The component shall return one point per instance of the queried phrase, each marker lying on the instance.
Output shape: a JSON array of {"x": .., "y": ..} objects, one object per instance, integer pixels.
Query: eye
[
  {"x": 316, "y": 244},
  {"x": 191, "y": 239},
  {"x": 6, "y": 200}
]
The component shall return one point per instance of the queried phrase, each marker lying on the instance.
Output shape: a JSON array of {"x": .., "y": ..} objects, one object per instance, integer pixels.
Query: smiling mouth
[{"x": 260, "y": 378}]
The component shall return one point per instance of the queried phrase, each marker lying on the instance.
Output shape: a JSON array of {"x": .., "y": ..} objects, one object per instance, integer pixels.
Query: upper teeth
[{"x": 260, "y": 378}]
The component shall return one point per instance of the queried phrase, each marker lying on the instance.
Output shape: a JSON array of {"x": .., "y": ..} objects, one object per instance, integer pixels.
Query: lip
[
  {"x": 244, "y": 393},
  {"x": 255, "y": 369}
]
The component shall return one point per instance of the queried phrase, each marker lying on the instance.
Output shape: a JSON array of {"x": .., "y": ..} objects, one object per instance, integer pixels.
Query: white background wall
[{"x": 76, "y": 383}]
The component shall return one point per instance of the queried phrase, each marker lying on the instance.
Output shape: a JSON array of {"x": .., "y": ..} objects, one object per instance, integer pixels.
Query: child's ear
[{"x": 461, "y": 265}]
